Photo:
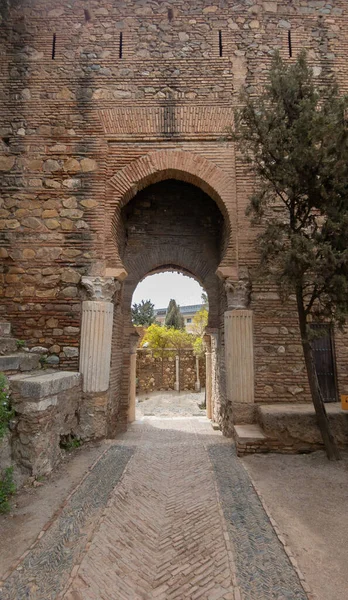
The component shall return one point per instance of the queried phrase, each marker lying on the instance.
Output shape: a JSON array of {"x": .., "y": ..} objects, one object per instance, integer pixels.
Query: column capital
[
  {"x": 101, "y": 289},
  {"x": 238, "y": 291}
]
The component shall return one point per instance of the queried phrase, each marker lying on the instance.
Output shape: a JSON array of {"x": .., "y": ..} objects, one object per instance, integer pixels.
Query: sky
[{"x": 160, "y": 288}]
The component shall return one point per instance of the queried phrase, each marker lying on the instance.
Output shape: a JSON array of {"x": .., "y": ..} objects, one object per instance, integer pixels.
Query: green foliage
[
  {"x": 6, "y": 412},
  {"x": 143, "y": 313},
  {"x": 205, "y": 299},
  {"x": 173, "y": 317},
  {"x": 20, "y": 343},
  {"x": 7, "y": 489},
  {"x": 70, "y": 442},
  {"x": 161, "y": 339},
  {"x": 198, "y": 346},
  {"x": 180, "y": 339},
  {"x": 295, "y": 138},
  {"x": 200, "y": 322},
  {"x": 156, "y": 338}
]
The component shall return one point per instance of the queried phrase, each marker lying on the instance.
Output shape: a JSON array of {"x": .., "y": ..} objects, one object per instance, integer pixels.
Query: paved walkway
[
  {"x": 170, "y": 404},
  {"x": 183, "y": 522}
]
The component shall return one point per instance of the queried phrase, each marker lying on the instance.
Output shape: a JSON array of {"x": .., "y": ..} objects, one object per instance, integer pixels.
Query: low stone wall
[
  {"x": 295, "y": 425},
  {"x": 158, "y": 373},
  {"x": 289, "y": 429},
  {"x": 47, "y": 406}
]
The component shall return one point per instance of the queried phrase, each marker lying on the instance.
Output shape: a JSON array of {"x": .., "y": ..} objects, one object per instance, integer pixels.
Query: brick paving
[{"x": 184, "y": 522}]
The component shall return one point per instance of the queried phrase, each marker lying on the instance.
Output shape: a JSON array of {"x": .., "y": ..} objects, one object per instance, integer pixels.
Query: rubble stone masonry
[{"x": 100, "y": 99}]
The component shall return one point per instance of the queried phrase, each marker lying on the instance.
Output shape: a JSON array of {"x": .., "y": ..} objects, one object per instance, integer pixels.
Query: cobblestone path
[{"x": 184, "y": 522}]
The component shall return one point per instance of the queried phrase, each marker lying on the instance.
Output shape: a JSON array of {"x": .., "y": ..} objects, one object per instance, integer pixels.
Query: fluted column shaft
[
  {"x": 208, "y": 384},
  {"x": 96, "y": 333},
  {"x": 95, "y": 352},
  {"x": 132, "y": 386},
  {"x": 239, "y": 356}
]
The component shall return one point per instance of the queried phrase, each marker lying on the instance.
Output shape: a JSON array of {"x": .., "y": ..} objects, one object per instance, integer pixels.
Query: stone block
[
  {"x": 22, "y": 361},
  {"x": 7, "y": 344},
  {"x": 5, "y": 329},
  {"x": 249, "y": 434},
  {"x": 41, "y": 385}
]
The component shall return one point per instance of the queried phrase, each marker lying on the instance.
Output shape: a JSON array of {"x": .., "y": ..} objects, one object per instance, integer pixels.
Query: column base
[
  {"x": 243, "y": 413},
  {"x": 176, "y": 387},
  {"x": 198, "y": 386},
  {"x": 93, "y": 415}
]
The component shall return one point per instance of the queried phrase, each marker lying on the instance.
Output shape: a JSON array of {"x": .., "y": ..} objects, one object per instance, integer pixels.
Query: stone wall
[
  {"x": 47, "y": 406},
  {"x": 89, "y": 119},
  {"x": 157, "y": 373}
]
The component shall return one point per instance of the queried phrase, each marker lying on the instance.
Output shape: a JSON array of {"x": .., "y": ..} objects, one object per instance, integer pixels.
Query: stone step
[
  {"x": 41, "y": 384},
  {"x": 5, "y": 329},
  {"x": 21, "y": 361},
  {"x": 8, "y": 345},
  {"x": 249, "y": 433},
  {"x": 297, "y": 424},
  {"x": 250, "y": 439}
]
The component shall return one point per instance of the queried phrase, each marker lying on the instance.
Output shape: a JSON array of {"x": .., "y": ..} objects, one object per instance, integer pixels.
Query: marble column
[
  {"x": 239, "y": 353},
  {"x": 208, "y": 376},
  {"x": 198, "y": 381},
  {"x": 133, "y": 376},
  {"x": 132, "y": 388},
  {"x": 239, "y": 348},
  {"x": 177, "y": 375},
  {"x": 96, "y": 332}
]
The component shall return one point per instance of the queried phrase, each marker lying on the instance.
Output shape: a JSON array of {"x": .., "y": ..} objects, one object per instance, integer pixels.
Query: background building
[{"x": 188, "y": 312}]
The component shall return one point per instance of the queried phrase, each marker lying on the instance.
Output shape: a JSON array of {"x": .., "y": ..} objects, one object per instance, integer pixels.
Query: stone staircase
[
  {"x": 47, "y": 404},
  {"x": 289, "y": 428},
  {"x": 13, "y": 359}
]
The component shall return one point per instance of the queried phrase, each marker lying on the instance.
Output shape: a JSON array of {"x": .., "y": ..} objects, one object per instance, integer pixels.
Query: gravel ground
[
  {"x": 170, "y": 404},
  {"x": 308, "y": 497}
]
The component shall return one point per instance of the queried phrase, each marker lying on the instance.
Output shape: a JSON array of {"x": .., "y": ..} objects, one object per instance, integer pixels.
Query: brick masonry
[{"x": 97, "y": 105}]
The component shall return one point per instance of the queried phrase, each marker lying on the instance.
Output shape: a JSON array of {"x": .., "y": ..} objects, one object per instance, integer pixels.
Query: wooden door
[{"x": 324, "y": 360}]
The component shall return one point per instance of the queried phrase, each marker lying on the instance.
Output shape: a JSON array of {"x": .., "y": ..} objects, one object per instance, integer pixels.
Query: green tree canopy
[
  {"x": 204, "y": 297},
  {"x": 295, "y": 139},
  {"x": 174, "y": 317},
  {"x": 156, "y": 338},
  {"x": 200, "y": 322},
  {"x": 143, "y": 313}
]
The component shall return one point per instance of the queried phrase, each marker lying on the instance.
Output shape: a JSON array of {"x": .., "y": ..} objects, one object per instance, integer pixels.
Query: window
[{"x": 189, "y": 320}]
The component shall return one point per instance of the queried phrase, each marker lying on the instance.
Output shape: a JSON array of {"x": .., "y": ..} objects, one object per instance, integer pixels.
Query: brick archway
[{"x": 172, "y": 164}]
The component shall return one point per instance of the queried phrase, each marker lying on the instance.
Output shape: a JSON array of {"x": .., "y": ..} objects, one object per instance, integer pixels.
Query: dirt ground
[
  {"x": 308, "y": 497},
  {"x": 33, "y": 507}
]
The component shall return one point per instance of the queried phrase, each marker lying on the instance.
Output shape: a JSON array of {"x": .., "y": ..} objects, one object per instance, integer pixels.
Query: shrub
[
  {"x": 6, "y": 413},
  {"x": 7, "y": 489}
]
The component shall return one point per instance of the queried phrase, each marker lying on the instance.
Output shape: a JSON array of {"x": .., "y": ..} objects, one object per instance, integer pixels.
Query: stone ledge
[
  {"x": 249, "y": 434},
  {"x": 40, "y": 385},
  {"x": 21, "y": 361},
  {"x": 296, "y": 423}
]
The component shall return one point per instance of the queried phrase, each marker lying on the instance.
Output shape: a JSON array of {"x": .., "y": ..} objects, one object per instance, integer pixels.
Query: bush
[
  {"x": 7, "y": 489},
  {"x": 6, "y": 413}
]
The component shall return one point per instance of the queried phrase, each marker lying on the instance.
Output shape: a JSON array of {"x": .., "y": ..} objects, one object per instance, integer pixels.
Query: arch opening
[
  {"x": 171, "y": 225},
  {"x": 169, "y": 165},
  {"x": 168, "y": 366}
]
